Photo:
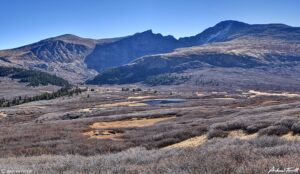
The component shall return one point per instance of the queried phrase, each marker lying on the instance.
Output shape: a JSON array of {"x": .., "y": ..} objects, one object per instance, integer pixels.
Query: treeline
[
  {"x": 207, "y": 82},
  {"x": 45, "y": 96},
  {"x": 166, "y": 79},
  {"x": 33, "y": 77}
]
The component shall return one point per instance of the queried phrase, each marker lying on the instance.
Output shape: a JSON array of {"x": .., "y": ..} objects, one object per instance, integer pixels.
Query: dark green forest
[
  {"x": 166, "y": 79},
  {"x": 66, "y": 91},
  {"x": 32, "y": 77}
]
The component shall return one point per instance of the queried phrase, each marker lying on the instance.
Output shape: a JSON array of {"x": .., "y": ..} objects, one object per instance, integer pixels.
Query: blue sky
[{"x": 28, "y": 21}]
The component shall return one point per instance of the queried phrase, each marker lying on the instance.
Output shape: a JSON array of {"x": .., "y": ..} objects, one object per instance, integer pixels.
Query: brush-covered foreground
[
  {"x": 216, "y": 156},
  {"x": 134, "y": 129}
]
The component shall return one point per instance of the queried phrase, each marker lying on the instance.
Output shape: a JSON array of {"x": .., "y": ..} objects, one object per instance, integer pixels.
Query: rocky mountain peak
[
  {"x": 129, "y": 48},
  {"x": 149, "y": 34},
  {"x": 66, "y": 36},
  {"x": 73, "y": 39},
  {"x": 232, "y": 23}
]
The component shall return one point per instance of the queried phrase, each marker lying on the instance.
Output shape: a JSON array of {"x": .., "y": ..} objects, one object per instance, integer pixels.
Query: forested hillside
[{"x": 32, "y": 77}]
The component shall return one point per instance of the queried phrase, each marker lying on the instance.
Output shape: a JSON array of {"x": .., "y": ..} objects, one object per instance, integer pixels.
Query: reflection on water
[{"x": 163, "y": 101}]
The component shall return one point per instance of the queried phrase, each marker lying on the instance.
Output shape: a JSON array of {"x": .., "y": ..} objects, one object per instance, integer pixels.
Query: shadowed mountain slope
[
  {"x": 128, "y": 49},
  {"x": 230, "y": 44}
]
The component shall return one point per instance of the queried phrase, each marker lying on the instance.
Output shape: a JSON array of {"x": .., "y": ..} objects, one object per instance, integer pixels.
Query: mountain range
[{"x": 229, "y": 54}]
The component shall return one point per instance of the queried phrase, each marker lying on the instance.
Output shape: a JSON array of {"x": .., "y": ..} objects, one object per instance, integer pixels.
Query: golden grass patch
[
  {"x": 139, "y": 97},
  {"x": 118, "y": 104},
  {"x": 3, "y": 115},
  {"x": 85, "y": 110},
  {"x": 224, "y": 98},
  {"x": 284, "y": 94},
  {"x": 199, "y": 140},
  {"x": 291, "y": 137},
  {"x": 113, "y": 135},
  {"x": 191, "y": 142},
  {"x": 240, "y": 134},
  {"x": 106, "y": 135},
  {"x": 134, "y": 122}
]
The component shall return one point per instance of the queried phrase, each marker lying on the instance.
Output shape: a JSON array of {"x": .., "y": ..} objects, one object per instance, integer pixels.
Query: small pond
[{"x": 163, "y": 101}]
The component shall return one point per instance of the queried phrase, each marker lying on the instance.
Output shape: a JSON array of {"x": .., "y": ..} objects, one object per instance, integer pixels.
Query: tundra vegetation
[{"x": 114, "y": 130}]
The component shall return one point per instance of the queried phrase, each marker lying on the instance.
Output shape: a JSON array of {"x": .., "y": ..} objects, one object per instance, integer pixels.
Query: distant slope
[
  {"x": 32, "y": 77},
  {"x": 273, "y": 46}
]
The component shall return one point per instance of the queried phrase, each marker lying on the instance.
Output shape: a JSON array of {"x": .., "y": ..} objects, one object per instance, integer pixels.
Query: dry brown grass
[
  {"x": 115, "y": 135},
  {"x": 240, "y": 134},
  {"x": 2, "y": 115},
  {"x": 134, "y": 122},
  {"x": 105, "y": 134},
  {"x": 85, "y": 110},
  {"x": 180, "y": 127},
  {"x": 192, "y": 142},
  {"x": 291, "y": 137},
  {"x": 199, "y": 140},
  {"x": 123, "y": 104},
  {"x": 139, "y": 97},
  {"x": 284, "y": 94},
  {"x": 226, "y": 156}
]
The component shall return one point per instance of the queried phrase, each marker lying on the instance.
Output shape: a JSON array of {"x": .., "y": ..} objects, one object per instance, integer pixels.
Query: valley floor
[{"x": 136, "y": 129}]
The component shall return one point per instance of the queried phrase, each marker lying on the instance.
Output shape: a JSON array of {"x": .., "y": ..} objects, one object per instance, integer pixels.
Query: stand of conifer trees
[
  {"x": 32, "y": 77},
  {"x": 45, "y": 96}
]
